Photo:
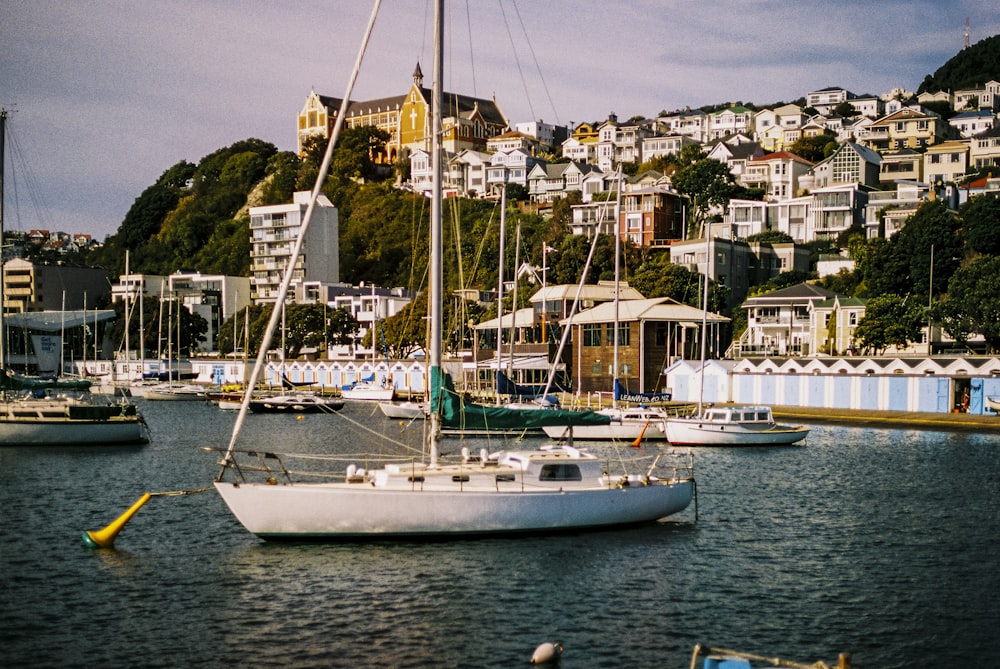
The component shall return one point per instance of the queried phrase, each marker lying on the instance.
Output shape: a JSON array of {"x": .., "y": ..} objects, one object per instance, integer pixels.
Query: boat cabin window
[{"x": 560, "y": 472}]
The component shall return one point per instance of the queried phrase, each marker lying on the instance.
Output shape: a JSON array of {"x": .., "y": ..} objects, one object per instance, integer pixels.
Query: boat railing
[{"x": 718, "y": 657}]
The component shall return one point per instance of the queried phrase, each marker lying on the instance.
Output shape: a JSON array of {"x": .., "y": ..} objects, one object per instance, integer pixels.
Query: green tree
[
  {"x": 889, "y": 320},
  {"x": 981, "y": 218},
  {"x": 845, "y": 109},
  {"x": 815, "y": 148},
  {"x": 972, "y": 304},
  {"x": 708, "y": 184},
  {"x": 658, "y": 277}
]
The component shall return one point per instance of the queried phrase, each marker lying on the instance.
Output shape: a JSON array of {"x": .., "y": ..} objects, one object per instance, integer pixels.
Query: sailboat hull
[
  {"x": 352, "y": 511},
  {"x": 688, "y": 432},
  {"x": 58, "y": 423}
]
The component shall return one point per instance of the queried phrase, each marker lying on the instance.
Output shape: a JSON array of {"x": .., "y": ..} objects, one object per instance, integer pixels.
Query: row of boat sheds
[{"x": 935, "y": 384}]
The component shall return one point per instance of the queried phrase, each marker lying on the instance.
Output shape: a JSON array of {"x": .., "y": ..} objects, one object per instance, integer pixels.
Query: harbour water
[{"x": 877, "y": 542}]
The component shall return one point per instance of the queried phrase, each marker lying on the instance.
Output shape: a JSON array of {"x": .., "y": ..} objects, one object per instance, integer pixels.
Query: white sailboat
[
  {"x": 35, "y": 411},
  {"x": 371, "y": 389},
  {"x": 512, "y": 492},
  {"x": 727, "y": 425}
]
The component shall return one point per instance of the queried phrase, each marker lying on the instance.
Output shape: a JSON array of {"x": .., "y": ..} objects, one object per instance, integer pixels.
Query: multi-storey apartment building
[
  {"x": 274, "y": 230},
  {"x": 30, "y": 286}
]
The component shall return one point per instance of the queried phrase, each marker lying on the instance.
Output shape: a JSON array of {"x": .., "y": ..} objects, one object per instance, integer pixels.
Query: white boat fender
[
  {"x": 465, "y": 454},
  {"x": 547, "y": 653}
]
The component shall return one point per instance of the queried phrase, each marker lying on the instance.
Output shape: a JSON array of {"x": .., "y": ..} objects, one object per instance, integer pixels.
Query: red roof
[{"x": 780, "y": 155}]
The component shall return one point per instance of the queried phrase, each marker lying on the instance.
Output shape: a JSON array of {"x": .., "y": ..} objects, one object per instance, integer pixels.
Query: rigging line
[
  {"x": 472, "y": 55},
  {"x": 520, "y": 72},
  {"x": 364, "y": 427},
  {"x": 538, "y": 67},
  {"x": 29, "y": 183}
]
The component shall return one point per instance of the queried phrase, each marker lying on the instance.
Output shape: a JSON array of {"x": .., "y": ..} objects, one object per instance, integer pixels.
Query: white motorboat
[
  {"x": 993, "y": 403},
  {"x": 732, "y": 426},
  {"x": 527, "y": 491},
  {"x": 627, "y": 424}
]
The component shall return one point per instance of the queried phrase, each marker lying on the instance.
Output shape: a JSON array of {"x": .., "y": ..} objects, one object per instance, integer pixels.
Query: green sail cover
[
  {"x": 457, "y": 413},
  {"x": 11, "y": 381}
]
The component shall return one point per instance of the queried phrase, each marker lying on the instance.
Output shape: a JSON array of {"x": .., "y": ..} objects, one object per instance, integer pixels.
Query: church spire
[{"x": 418, "y": 76}]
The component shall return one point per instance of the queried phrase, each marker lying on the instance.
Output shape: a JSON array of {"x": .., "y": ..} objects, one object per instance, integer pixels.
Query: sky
[{"x": 105, "y": 95}]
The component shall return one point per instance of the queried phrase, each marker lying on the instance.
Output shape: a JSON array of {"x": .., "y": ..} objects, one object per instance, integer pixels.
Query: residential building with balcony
[
  {"x": 777, "y": 174},
  {"x": 549, "y": 181},
  {"x": 835, "y": 210},
  {"x": 465, "y": 172},
  {"x": 727, "y": 122},
  {"x": 826, "y": 99},
  {"x": 780, "y": 323},
  {"x": 971, "y": 123},
  {"x": 908, "y": 128},
  {"x": 832, "y": 323},
  {"x": 903, "y": 165},
  {"x": 749, "y": 217},
  {"x": 509, "y": 167},
  {"x": 652, "y": 215},
  {"x": 946, "y": 162},
  {"x": 691, "y": 123},
  {"x": 368, "y": 304},
  {"x": 214, "y": 297},
  {"x": 984, "y": 151},
  {"x": 664, "y": 145},
  {"x": 888, "y": 210},
  {"x": 274, "y": 230},
  {"x": 987, "y": 97},
  {"x": 735, "y": 155}
]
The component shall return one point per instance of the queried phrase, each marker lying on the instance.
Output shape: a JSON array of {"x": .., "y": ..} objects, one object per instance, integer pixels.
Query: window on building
[
  {"x": 623, "y": 334},
  {"x": 591, "y": 334}
]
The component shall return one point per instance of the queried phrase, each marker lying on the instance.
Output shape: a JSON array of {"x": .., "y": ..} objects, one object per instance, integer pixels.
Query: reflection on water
[{"x": 875, "y": 542}]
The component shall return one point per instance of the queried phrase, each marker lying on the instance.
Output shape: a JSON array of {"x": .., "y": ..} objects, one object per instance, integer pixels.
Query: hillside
[{"x": 969, "y": 68}]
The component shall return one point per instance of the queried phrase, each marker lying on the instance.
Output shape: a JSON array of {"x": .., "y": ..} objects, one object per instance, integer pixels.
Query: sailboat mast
[
  {"x": 618, "y": 255},
  {"x": 704, "y": 336},
  {"x": 436, "y": 250},
  {"x": 3, "y": 161},
  {"x": 128, "y": 316},
  {"x": 503, "y": 238},
  {"x": 513, "y": 302}
]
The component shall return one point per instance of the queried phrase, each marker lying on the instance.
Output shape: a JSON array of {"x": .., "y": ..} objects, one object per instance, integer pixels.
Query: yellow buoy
[{"x": 106, "y": 538}]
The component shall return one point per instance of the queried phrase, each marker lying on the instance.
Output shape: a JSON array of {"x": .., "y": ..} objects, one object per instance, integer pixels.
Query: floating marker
[
  {"x": 106, "y": 538},
  {"x": 547, "y": 653}
]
